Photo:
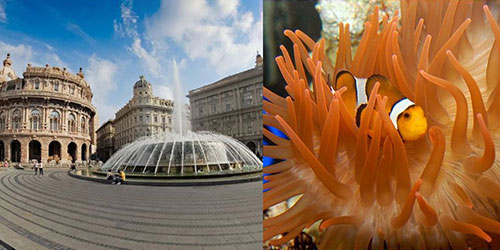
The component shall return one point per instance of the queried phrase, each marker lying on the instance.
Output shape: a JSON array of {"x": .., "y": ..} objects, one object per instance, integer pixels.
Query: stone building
[
  {"x": 232, "y": 106},
  {"x": 105, "y": 141},
  {"x": 143, "y": 115},
  {"x": 47, "y": 114}
]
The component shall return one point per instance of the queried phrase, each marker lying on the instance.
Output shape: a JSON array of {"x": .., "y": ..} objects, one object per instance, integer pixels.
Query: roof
[{"x": 228, "y": 80}]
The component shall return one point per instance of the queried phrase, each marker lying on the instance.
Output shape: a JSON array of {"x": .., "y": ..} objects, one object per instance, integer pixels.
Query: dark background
[{"x": 278, "y": 16}]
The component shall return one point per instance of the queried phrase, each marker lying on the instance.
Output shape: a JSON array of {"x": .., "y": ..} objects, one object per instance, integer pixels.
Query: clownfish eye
[{"x": 406, "y": 115}]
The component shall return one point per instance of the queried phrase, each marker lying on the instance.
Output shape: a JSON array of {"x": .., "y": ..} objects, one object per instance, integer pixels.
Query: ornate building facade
[
  {"x": 144, "y": 115},
  {"x": 105, "y": 141},
  {"x": 45, "y": 115},
  {"x": 232, "y": 106}
]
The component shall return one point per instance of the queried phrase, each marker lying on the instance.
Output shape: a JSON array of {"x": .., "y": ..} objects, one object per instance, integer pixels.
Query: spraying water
[
  {"x": 183, "y": 152},
  {"x": 178, "y": 100}
]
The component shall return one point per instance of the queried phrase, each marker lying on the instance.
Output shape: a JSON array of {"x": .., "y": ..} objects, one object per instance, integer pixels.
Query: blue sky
[{"x": 117, "y": 41}]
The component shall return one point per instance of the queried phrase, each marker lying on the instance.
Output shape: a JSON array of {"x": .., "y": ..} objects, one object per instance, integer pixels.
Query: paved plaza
[{"x": 57, "y": 211}]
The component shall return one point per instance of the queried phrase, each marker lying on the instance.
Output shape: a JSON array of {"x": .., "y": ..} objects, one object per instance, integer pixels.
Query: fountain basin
[{"x": 192, "y": 154}]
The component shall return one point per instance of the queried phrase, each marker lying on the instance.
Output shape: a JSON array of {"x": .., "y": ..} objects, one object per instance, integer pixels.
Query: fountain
[{"x": 184, "y": 153}]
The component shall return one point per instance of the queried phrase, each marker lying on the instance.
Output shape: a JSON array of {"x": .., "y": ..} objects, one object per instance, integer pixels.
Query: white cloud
[
  {"x": 3, "y": 15},
  {"x": 75, "y": 29},
  {"x": 128, "y": 24},
  {"x": 149, "y": 58},
  {"x": 163, "y": 91},
  {"x": 221, "y": 34},
  {"x": 127, "y": 27},
  {"x": 228, "y": 7},
  {"x": 22, "y": 54},
  {"x": 100, "y": 74}
]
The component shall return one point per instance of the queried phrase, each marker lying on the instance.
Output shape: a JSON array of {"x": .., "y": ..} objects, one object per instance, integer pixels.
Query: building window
[
  {"x": 156, "y": 119},
  {"x": 83, "y": 124},
  {"x": 71, "y": 123},
  {"x": 247, "y": 98},
  {"x": 163, "y": 120},
  {"x": 37, "y": 84},
  {"x": 250, "y": 126},
  {"x": 72, "y": 90},
  {"x": 16, "y": 119},
  {"x": 2, "y": 122},
  {"x": 56, "y": 86},
  {"x": 214, "y": 109},
  {"x": 169, "y": 120},
  {"x": 35, "y": 119},
  {"x": 54, "y": 121},
  {"x": 140, "y": 118}
]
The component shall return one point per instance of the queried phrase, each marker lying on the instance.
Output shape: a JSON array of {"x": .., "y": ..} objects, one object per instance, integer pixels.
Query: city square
[
  {"x": 117, "y": 133},
  {"x": 56, "y": 211}
]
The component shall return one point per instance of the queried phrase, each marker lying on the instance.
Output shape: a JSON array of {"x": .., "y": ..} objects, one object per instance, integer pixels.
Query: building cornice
[{"x": 238, "y": 77}]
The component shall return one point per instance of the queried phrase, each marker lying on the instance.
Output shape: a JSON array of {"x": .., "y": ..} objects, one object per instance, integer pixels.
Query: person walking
[
  {"x": 40, "y": 166},
  {"x": 35, "y": 166}
]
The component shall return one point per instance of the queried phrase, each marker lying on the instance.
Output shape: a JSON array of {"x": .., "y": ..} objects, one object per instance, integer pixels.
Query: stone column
[
  {"x": 240, "y": 125},
  {"x": 42, "y": 118},
  {"x": 25, "y": 148},
  {"x": 7, "y": 149},
  {"x": 64, "y": 150},
  {"x": 63, "y": 118},
  {"x": 237, "y": 99},
  {"x": 44, "y": 150},
  {"x": 255, "y": 97},
  {"x": 220, "y": 105},
  {"x": 24, "y": 123}
]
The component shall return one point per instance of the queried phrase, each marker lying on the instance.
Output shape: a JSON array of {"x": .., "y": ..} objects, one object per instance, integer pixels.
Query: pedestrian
[
  {"x": 35, "y": 166},
  {"x": 73, "y": 167},
  {"x": 40, "y": 167}
]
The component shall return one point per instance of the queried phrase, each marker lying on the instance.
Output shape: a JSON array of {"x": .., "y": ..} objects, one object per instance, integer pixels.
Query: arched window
[
  {"x": 54, "y": 121},
  {"x": 71, "y": 123},
  {"x": 83, "y": 125},
  {"x": 2, "y": 121},
  {"x": 35, "y": 119},
  {"x": 16, "y": 119}
]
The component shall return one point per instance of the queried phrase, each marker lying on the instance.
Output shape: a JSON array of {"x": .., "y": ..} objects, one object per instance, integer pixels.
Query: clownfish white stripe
[
  {"x": 399, "y": 108},
  {"x": 361, "y": 91}
]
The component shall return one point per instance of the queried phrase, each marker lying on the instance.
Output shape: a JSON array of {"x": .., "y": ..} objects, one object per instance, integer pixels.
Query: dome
[
  {"x": 142, "y": 83},
  {"x": 183, "y": 155}
]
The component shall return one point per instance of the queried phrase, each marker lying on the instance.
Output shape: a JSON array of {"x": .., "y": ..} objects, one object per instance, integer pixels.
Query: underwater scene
[{"x": 381, "y": 124}]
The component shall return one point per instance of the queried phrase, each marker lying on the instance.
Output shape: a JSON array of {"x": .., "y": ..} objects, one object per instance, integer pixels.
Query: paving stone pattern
[{"x": 57, "y": 211}]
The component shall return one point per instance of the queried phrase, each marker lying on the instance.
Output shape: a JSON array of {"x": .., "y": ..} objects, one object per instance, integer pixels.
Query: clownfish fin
[{"x": 346, "y": 79}]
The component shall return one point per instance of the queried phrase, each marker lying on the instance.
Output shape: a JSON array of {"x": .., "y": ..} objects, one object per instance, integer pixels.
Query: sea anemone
[{"x": 366, "y": 186}]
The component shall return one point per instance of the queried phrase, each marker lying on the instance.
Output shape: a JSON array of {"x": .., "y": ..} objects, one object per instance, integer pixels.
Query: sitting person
[
  {"x": 118, "y": 179},
  {"x": 110, "y": 176},
  {"x": 122, "y": 175}
]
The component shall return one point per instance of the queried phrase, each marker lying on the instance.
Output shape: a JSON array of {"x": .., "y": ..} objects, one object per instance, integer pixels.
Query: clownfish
[{"x": 408, "y": 118}]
